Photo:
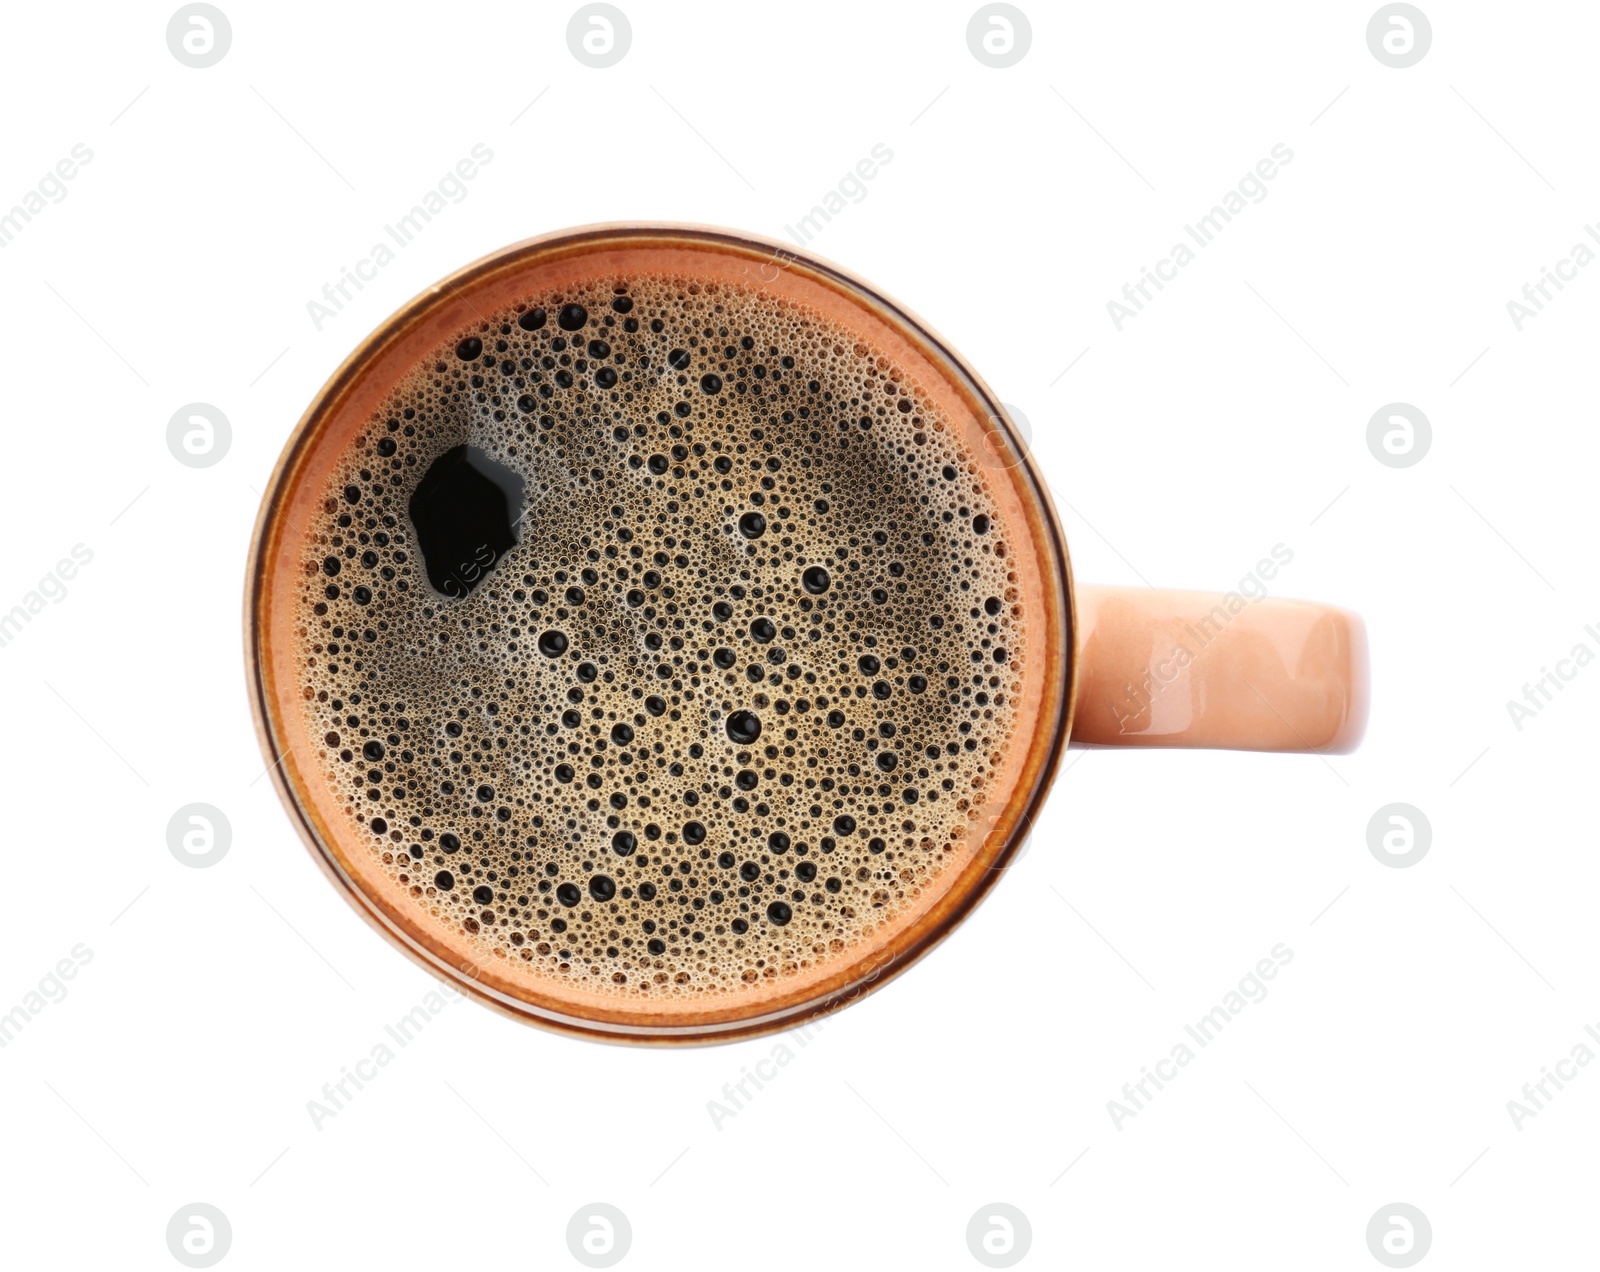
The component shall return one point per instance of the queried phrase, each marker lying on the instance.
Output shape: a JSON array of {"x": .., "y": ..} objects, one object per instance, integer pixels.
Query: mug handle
[{"x": 1207, "y": 669}]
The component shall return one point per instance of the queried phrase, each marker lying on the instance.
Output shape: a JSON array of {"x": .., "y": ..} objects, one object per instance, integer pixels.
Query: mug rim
[{"x": 994, "y": 852}]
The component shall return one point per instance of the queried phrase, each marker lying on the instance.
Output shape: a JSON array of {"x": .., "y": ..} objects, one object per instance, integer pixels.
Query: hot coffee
[{"x": 658, "y": 636}]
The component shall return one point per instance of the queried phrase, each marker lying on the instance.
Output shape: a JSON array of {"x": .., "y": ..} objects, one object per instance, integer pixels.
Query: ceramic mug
[{"x": 1103, "y": 667}]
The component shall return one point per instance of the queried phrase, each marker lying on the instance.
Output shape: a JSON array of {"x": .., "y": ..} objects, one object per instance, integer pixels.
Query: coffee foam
[{"x": 790, "y": 643}]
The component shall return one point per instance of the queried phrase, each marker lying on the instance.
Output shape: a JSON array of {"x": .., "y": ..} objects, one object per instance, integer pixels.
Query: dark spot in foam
[{"x": 465, "y": 510}]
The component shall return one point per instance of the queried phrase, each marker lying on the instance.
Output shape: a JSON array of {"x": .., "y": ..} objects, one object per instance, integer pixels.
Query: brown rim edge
[{"x": 984, "y": 865}]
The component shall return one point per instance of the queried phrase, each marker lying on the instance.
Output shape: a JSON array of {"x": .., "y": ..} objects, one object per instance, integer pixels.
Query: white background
[{"x": 1230, "y": 416}]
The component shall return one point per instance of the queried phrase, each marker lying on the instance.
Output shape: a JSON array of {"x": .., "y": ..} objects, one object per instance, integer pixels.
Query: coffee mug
[{"x": 1096, "y": 666}]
